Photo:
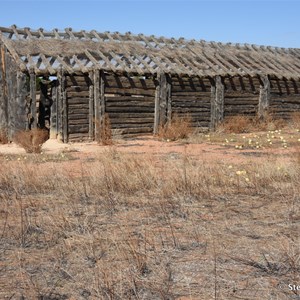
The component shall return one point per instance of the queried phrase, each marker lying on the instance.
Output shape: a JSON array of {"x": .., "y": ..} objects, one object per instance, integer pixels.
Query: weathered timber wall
[
  {"x": 241, "y": 96},
  {"x": 284, "y": 97},
  {"x": 77, "y": 98},
  {"x": 130, "y": 103},
  {"x": 192, "y": 96}
]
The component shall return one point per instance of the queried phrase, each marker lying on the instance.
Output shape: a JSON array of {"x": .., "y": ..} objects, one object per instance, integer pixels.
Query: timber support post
[
  {"x": 91, "y": 106},
  {"x": 54, "y": 110},
  {"x": 3, "y": 93},
  {"x": 264, "y": 98},
  {"x": 62, "y": 107},
  {"x": 99, "y": 101},
  {"x": 163, "y": 102},
  {"x": 33, "y": 115},
  {"x": 217, "y": 103},
  {"x": 20, "y": 108}
]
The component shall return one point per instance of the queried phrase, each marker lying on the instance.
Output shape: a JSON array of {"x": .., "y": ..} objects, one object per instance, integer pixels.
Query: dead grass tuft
[
  {"x": 178, "y": 128},
  {"x": 32, "y": 140},
  {"x": 105, "y": 132},
  {"x": 295, "y": 119},
  {"x": 246, "y": 124},
  {"x": 3, "y": 136}
]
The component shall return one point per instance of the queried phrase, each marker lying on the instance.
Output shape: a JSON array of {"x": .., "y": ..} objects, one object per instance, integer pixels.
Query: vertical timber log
[
  {"x": 62, "y": 108},
  {"x": 11, "y": 94},
  {"x": 65, "y": 110},
  {"x": 3, "y": 92},
  {"x": 20, "y": 108},
  {"x": 97, "y": 103},
  {"x": 217, "y": 103},
  {"x": 102, "y": 99},
  {"x": 264, "y": 98},
  {"x": 91, "y": 106},
  {"x": 163, "y": 103},
  {"x": 33, "y": 119},
  {"x": 54, "y": 110}
]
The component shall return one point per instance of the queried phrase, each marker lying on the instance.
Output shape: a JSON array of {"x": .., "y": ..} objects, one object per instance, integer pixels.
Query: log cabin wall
[
  {"x": 77, "y": 105},
  {"x": 130, "y": 103},
  {"x": 284, "y": 97},
  {"x": 241, "y": 95},
  {"x": 192, "y": 96}
]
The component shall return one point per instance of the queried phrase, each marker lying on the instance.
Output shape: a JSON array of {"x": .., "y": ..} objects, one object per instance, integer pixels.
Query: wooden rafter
[{"x": 142, "y": 54}]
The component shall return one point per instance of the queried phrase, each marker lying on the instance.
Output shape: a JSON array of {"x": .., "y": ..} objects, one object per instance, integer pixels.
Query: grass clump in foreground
[
  {"x": 246, "y": 124},
  {"x": 32, "y": 140},
  {"x": 105, "y": 137},
  {"x": 3, "y": 136},
  {"x": 143, "y": 227},
  {"x": 177, "y": 128}
]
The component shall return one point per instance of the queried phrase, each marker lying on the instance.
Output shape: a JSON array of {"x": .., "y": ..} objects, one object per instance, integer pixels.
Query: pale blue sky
[{"x": 269, "y": 22}]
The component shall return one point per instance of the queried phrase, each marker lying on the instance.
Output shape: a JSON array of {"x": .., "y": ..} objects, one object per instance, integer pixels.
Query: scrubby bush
[
  {"x": 3, "y": 136},
  {"x": 32, "y": 140},
  {"x": 177, "y": 128}
]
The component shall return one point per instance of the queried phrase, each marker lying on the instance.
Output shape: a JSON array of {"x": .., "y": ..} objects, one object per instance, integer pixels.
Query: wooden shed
[{"x": 67, "y": 81}]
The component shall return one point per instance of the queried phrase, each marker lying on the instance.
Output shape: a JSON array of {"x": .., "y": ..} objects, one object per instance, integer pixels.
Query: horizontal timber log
[
  {"x": 84, "y": 128},
  {"x": 130, "y": 115},
  {"x": 129, "y": 109},
  {"x": 81, "y": 94},
  {"x": 198, "y": 95},
  {"x": 78, "y": 101},
  {"x": 73, "y": 89},
  {"x": 125, "y": 82},
  {"x": 132, "y": 120},
  {"x": 78, "y": 121},
  {"x": 131, "y": 103},
  {"x": 130, "y": 98},
  {"x": 131, "y": 126},
  {"x": 136, "y": 130},
  {"x": 78, "y": 116},
  {"x": 131, "y": 91}
]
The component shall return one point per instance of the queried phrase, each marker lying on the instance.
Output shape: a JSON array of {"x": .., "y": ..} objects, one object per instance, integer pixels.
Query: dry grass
[
  {"x": 105, "y": 132},
  {"x": 295, "y": 120},
  {"x": 246, "y": 124},
  {"x": 3, "y": 136},
  {"x": 147, "y": 227},
  {"x": 178, "y": 128},
  {"x": 32, "y": 140}
]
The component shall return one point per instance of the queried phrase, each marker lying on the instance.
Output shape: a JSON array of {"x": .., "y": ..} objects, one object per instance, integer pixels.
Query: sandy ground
[{"x": 152, "y": 146}]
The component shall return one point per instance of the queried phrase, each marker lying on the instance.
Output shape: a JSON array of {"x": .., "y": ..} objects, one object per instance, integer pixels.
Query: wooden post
[
  {"x": 11, "y": 94},
  {"x": 33, "y": 119},
  {"x": 217, "y": 103},
  {"x": 3, "y": 92},
  {"x": 20, "y": 108},
  {"x": 91, "y": 106},
  {"x": 163, "y": 103},
  {"x": 54, "y": 110},
  {"x": 97, "y": 103},
  {"x": 102, "y": 108},
  {"x": 264, "y": 97},
  {"x": 62, "y": 108},
  {"x": 65, "y": 110}
]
